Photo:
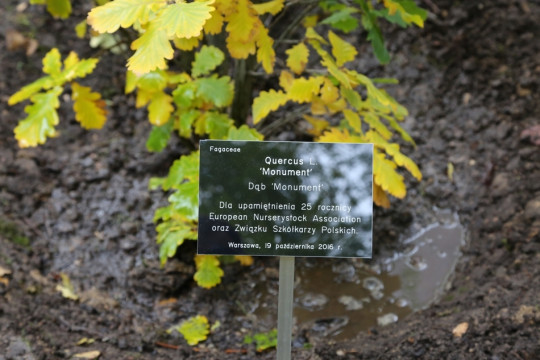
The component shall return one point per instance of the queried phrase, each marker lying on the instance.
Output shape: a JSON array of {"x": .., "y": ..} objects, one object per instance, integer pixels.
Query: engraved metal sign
[{"x": 285, "y": 198}]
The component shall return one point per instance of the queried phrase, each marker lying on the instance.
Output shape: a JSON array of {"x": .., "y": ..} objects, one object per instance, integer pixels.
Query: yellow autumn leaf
[
  {"x": 317, "y": 106},
  {"x": 415, "y": 17},
  {"x": 41, "y": 120},
  {"x": 225, "y": 7},
  {"x": 272, "y": 7},
  {"x": 194, "y": 329},
  {"x": 74, "y": 67},
  {"x": 353, "y": 119},
  {"x": 245, "y": 260},
  {"x": 89, "y": 107},
  {"x": 239, "y": 49},
  {"x": 66, "y": 288},
  {"x": 214, "y": 24},
  {"x": 80, "y": 29},
  {"x": 317, "y": 125},
  {"x": 89, "y": 355},
  {"x": 27, "y": 91},
  {"x": 329, "y": 92},
  {"x": 403, "y": 160},
  {"x": 373, "y": 92},
  {"x": 152, "y": 48},
  {"x": 160, "y": 109},
  {"x": 243, "y": 23},
  {"x": 185, "y": 20},
  {"x": 393, "y": 150},
  {"x": 52, "y": 64},
  {"x": 121, "y": 13},
  {"x": 450, "y": 171},
  {"x": 337, "y": 106},
  {"x": 379, "y": 197},
  {"x": 208, "y": 272},
  {"x": 266, "y": 54},
  {"x": 341, "y": 49},
  {"x": 386, "y": 176},
  {"x": 310, "y": 21},
  {"x": 266, "y": 102},
  {"x": 376, "y": 124},
  {"x": 302, "y": 90},
  {"x": 311, "y": 34},
  {"x": 340, "y": 76},
  {"x": 85, "y": 341},
  {"x": 297, "y": 58},
  {"x": 337, "y": 135},
  {"x": 186, "y": 44},
  {"x": 286, "y": 80}
]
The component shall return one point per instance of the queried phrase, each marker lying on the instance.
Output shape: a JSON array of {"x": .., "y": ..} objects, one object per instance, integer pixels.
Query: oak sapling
[{"x": 194, "y": 66}]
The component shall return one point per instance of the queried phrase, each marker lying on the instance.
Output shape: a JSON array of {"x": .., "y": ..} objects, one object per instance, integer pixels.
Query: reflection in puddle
[{"x": 341, "y": 297}]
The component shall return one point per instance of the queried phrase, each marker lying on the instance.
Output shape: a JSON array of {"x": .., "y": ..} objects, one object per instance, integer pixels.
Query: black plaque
[{"x": 285, "y": 198}]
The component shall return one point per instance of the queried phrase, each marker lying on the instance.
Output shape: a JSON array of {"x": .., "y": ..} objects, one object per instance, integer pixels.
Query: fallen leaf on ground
[
  {"x": 66, "y": 288},
  {"x": 15, "y": 41},
  {"x": 4, "y": 271},
  {"x": 460, "y": 329},
  {"x": 85, "y": 341},
  {"x": 98, "y": 299},
  {"x": 88, "y": 355},
  {"x": 37, "y": 277}
]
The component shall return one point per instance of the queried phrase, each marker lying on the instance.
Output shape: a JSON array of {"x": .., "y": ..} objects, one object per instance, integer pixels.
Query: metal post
[{"x": 285, "y": 307}]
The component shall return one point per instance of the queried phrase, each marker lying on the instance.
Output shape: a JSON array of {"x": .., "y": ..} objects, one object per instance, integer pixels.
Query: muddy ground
[{"x": 79, "y": 205}]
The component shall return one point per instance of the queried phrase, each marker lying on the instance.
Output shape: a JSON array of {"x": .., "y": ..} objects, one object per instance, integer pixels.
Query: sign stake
[{"x": 285, "y": 307}]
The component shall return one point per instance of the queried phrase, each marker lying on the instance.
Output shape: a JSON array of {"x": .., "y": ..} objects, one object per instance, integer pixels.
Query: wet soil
[{"x": 79, "y": 206}]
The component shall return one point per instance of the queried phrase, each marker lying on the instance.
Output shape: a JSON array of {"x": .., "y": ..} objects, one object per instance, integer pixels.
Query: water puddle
[{"x": 341, "y": 297}]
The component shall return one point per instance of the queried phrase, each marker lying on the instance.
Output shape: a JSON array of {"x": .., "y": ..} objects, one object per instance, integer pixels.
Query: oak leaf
[
  {"x": 341, "y": 49},
  {"x": 89, "y": 108},
  {"x": 266, "y": 102},
  {"x": 297, "y": 58},
  {"x": 59, "y": 8},
  {"x": 245, "y": 260},
  {"x": 272, "y": 7},
  {"x": 302, "y": 90},
  {"x": 206, "y": 60},
  {"x": 379, "y": 197},
  {"x": 151, "y": 50},
  {"x": 209, "y": 272},
  {"x": 317, "y": 125},
  {"x": 214, "y": 24},
  {"x": 386, "y": 176},
  {"x": 244, "y": 132},
  {"x": 41, "y": 120},
  {"x": 121, "y": 13},
  {"x": 239, "y": 49},
  {"x": 52, "y": 63},
  {"x": 266, "y": 55},
  {"x": 353, "y": 119},
  {"x": 185, "y": 20},
  {"x": 195, "y": 329},
  {"x": 243, "y": 23},
  {"x": 218, "y": 91},
  {"x": 338, "y": 135},
  {"x": 160, "y": 108}
]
